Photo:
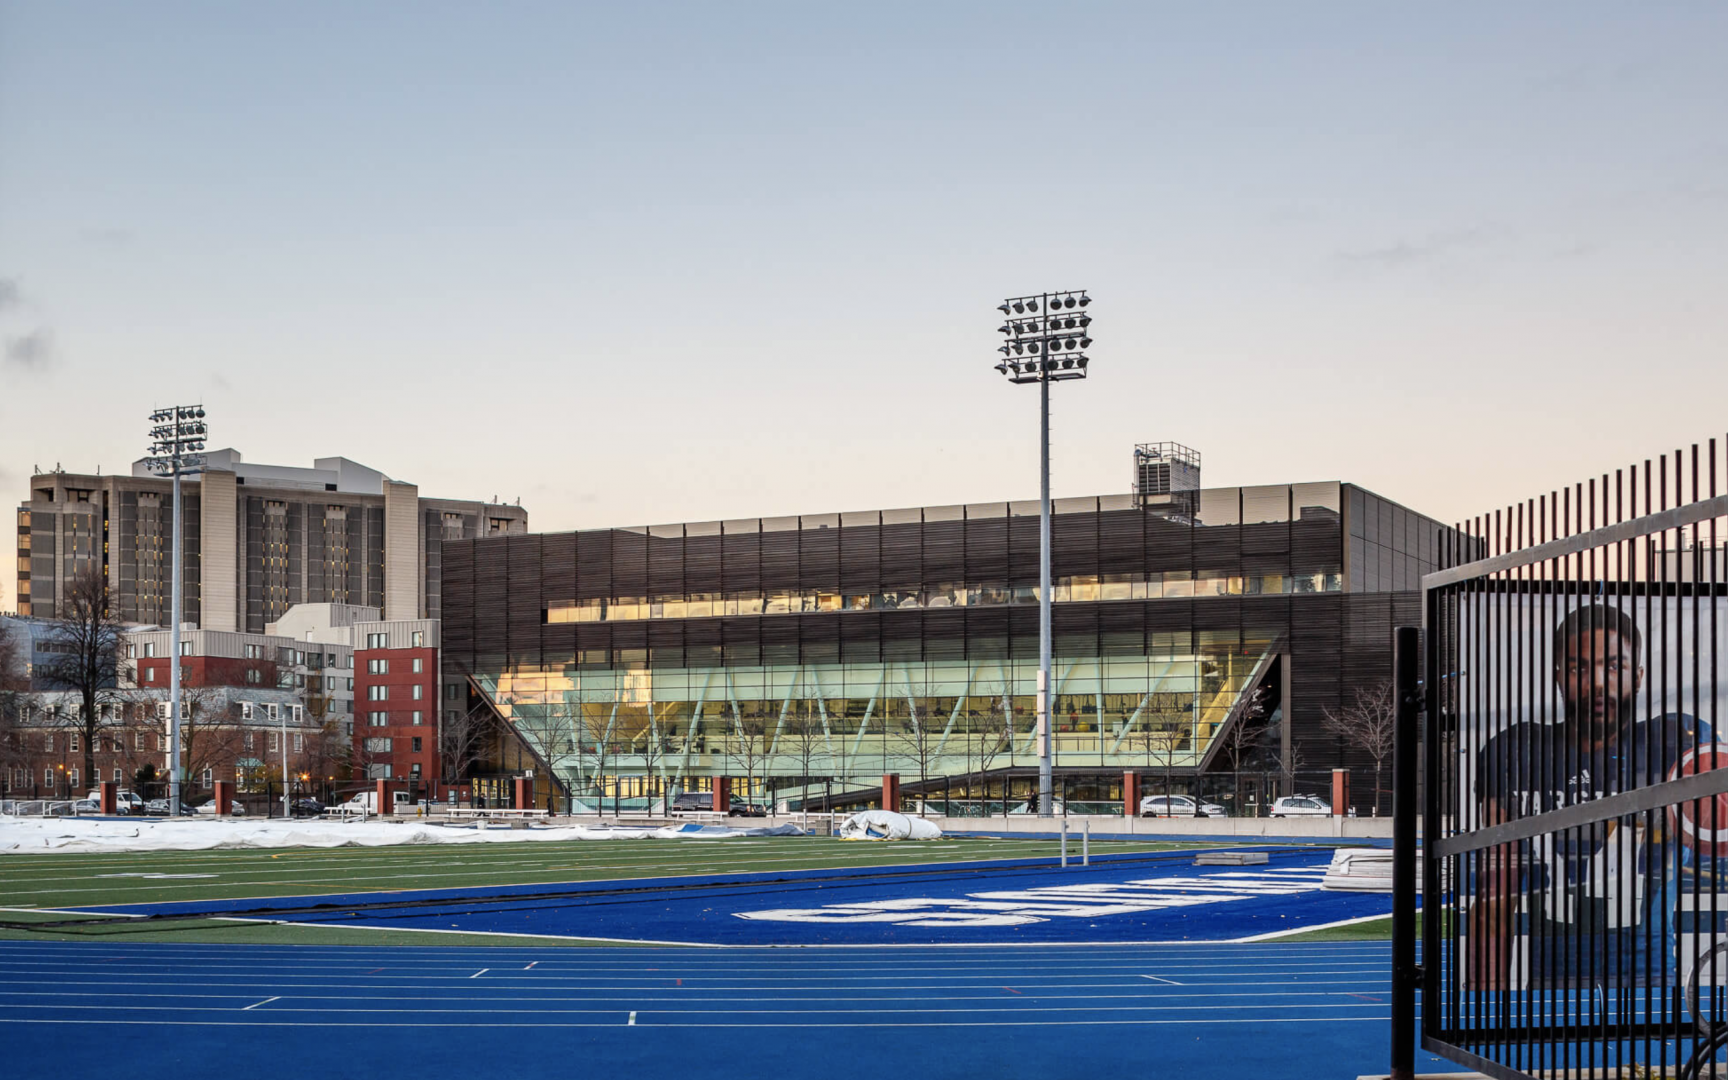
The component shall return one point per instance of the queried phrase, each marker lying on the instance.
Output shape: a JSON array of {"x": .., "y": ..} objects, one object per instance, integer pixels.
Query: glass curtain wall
[{"x": 607, "y": 731}]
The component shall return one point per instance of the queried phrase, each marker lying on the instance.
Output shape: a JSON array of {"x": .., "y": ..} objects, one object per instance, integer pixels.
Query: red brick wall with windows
[
  {"x": 153, "y": 672},
  {"x": 397, "y": 685}
]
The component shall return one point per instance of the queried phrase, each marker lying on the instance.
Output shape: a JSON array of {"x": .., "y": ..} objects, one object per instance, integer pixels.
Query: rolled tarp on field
[
  {"x": 1361, "y": 870},
  {"x": 887, "y": 825}
]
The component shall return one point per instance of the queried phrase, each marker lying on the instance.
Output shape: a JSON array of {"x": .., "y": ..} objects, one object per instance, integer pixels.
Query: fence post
[
  {"x": 1064, "y": 843},
  {"x": 1405, "y": 974}
]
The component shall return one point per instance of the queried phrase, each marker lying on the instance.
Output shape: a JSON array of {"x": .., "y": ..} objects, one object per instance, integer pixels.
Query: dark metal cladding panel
[
  {"x": 944, "y": 552},
  {"x": 702, "y": 556},
  {"x": 665, "y": 567},
  {"x": 1023, "y": 632},
  {"x": 780, "y": 640},
  {"x": 1169, "y": 544},
  {"x": 860, "y": 559},
  {"x": 1316, "y": 646},
  {"x": 987, "y": 632},
  {"x": 1218, "y": 548},
  {"x": 861, "y": 638},
  {"x": 1074, "y": 544},
  {"x": 780, "y": 561},
  {"x": 819, "y": 638},
  {"x": 1266, "y": 538},
  {"x": 491, "y": 594},
  {"x": 630, "y": 563},
  {"x": 594, "y": 638},
  {"x": 819, "y": 559},
  {"x": 523, "y": 605},
  {"x": 902, "y": 556},
  {"x": 1121, "y": 629},
  {"x": 741, "y": 641},
  {"x": 1023, "y": 550},
  {"x": 1121, "y": 542},
  {"x": 902, "y": 635},
  {"x": 456, "y": 630},
  {"x": 1074, "y": 629},
  {"x": 945, "y": 634},
  {"x": 558, "y": 571},
  {"x": 743, "y": 562},
  {"x": 1317, "y": 544},
  {"x": 594, "y": 564},
  {"x": 987, "y": 551}
]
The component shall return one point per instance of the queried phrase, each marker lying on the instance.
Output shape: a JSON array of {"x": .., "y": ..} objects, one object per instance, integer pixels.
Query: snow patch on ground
[{"x": 30, "y": 836}]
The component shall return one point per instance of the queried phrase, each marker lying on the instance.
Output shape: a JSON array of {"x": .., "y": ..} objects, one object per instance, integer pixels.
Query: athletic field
[{"x": 958, "y": 957}]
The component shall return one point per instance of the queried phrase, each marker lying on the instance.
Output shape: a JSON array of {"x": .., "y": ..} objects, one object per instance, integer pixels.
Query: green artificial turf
[{"x": 97, "y": 880}]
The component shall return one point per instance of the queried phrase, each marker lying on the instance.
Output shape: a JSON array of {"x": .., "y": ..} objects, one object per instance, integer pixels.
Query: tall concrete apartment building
[{"x": 258, "y": 539}]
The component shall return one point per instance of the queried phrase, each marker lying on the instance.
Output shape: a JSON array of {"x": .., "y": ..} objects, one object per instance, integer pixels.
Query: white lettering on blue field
[{"x": 1018, "y": 907}]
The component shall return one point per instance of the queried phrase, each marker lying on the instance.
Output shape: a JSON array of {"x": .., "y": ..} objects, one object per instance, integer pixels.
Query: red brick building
[{"x": 396, "y": 698}]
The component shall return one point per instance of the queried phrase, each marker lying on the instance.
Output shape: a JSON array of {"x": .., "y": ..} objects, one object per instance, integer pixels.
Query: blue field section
[
  {"x": 1125, "y": 899},
  {"x": 211, "y": 1012}
]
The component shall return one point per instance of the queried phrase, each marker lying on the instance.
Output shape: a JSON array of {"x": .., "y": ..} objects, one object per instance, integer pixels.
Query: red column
[
  {"x": 722, "y": 794},
  {"x": 1130, "y": 794},
  {"x": 108, "y": 794},
  {"x": 381, "y": 788},
  {"x": 224, "y": 797},
  {"x": 524, "y": 793},
  {"x": 891, "y": 792},
  {"x": 1340, "y": 792}
]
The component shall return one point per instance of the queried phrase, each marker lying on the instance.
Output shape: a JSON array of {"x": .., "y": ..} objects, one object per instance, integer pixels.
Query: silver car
[
  {"x": 1178, "y": 806},
  {"x": 1301, "y": 806}
]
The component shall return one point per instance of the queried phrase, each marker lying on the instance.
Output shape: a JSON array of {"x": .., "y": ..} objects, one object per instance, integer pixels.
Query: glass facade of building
[{"x": 838, "y": 647}]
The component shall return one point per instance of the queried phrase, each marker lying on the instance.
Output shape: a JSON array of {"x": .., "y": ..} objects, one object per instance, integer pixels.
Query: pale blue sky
[{"x": 655, "y": 262}]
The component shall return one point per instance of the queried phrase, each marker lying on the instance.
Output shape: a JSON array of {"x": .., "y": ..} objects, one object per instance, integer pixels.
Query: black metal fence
[{"x": 1576, "y": 821}]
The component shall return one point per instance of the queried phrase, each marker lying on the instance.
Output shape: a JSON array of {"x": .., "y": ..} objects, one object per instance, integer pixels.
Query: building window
[
  {"x": 116, "y": 774},
  {"x": 248, "y": 740},
  {"x": 416, "y": 744},
  {"x": 419, "y": 665},
  {"x": 149, "y": 649},
  {"x": 377, "y": 667},
  {"x": 299, "y": 742},
  {"x": 254, "y": 676},
  {"x": 138, "y": 741},
  {"x": 271, "y": 712},
  {"x": 72, "y": 779},
  {"x": 378, "y": 746},
  {"x": 377, "y": 692},
  {"x": 131, "y": 651},
  {"x": 274, "y": 746},
  {"x": 246, "y": 714},
  {"x": 48, "y": 777},
  {"x": 378, "y": 719},
  {"x": 453, "y": 691},
  {"x": 377, "y": 641},
  {"x": 207, "y": 778},
  {"x": 72, "y": 739},
  {"x": 419, "y": 692},
  {"x": 350, "y": 686},
  {"x": 185, "y": 648},
  {"x": 48, "y": 742},
  {"x": 149, "y": 674},
  {"x": 253, "y": 652},
  {"x": 417, "y": 640}
]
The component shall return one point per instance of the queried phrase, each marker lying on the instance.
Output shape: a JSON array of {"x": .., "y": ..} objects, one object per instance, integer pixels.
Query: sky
[{"x": 657, "y": 262}]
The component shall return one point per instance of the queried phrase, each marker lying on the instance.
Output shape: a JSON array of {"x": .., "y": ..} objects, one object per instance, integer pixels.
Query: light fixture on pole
[
  {"x": 1054, "y": 343},
  {"x": 177, "y": 451}
]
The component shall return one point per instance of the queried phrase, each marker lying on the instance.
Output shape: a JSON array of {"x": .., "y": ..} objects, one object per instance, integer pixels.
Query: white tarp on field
[
  {"x": 887, "y": 825},
  {"x": 26, "y": 836}
]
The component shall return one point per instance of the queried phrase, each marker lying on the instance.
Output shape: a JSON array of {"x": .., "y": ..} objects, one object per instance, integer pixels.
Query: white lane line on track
[
  {"x": 835, "y": 987},
  {"x": 530, "y": 967},
  {"x": 1030, "y": 994},
  {"x": 1276, "y": 934},
  {"x": 1167, "y": 982},
  {"x": 1379, "y": 1018},
  {"x": 266, "y": 1001},
  {"x": 479, "y": 973},
  {"x": 632, "y": 1022},
  {"x": 1078, "y": 971},
  {"x": 469, "y": 1009}
]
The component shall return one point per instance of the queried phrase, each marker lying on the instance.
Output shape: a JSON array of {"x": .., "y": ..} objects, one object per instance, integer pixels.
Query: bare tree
[
  {"x": 748, "y": 747},
  {"x": 1367, "y": 723},
  {"x": 1162, "y": 743},
  {"x": 803, "y": 735},
  {"x": 210, "y": 733},
  {"x": 461, "y": 742},
  {"x": 1244, "y": 737},
  {"x": 12, "y": 686},
  {"x": 85, "y": 651}
]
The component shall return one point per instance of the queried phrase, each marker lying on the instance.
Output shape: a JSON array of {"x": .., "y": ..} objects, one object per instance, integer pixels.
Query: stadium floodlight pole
[
  {"x": 177, "y": 451},
  {"x": 1046, "y": 336}
]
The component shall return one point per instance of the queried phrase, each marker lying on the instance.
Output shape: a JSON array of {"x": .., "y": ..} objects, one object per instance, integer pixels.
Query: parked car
[
  {"x": 209, "y": 807},
  {"x": 692, "y": 802},
  {"x": 86, "y": 806},
  {"x": 1301, "y": 806},
  {"x": 156, "y": 806},
  {"x": 306, "y": 807},
  {"x": 1178, "y": 806},
  {"x": 739, "y": 808}
]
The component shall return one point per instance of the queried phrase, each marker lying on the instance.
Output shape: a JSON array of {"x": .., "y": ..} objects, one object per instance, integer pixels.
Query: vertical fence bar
[{"x": 1406, "y": 976}]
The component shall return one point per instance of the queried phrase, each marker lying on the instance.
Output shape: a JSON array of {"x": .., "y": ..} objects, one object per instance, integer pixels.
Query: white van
[{"x": 128, "y": 802}]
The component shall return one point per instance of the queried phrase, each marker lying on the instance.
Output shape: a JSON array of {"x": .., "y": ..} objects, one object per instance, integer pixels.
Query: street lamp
[
  {"x": 1046, "y": 339},
  {"x": 177, "y": 451}
]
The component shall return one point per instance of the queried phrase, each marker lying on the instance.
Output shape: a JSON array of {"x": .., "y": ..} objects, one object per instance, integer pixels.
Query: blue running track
[{"x": 216, "y": 1012}]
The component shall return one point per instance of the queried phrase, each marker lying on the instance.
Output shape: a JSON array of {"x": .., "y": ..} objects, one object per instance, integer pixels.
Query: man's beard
[{"x": 1617, "y": 717}]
